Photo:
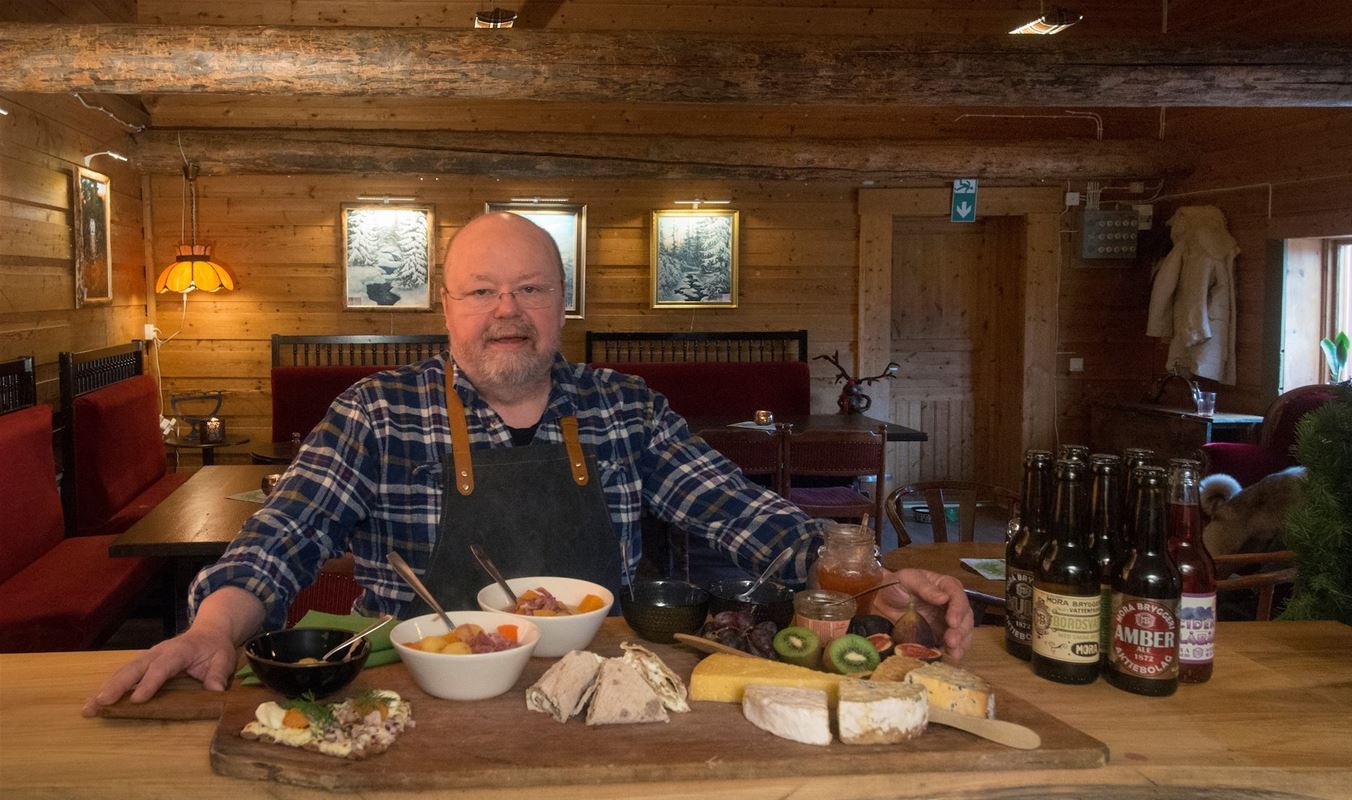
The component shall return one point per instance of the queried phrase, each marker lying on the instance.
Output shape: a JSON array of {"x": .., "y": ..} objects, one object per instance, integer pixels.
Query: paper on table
[
  {"x": 753, "y": 425},
  {"x": 992, "y": 569},
  {"x": 382, "y": 649},
  {"x": 254, "y": 496}
]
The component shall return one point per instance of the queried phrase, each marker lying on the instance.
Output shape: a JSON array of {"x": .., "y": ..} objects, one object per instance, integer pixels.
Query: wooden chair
[
  {"x": 1265, "y": 581},
  {"x": 333, "y": 592},
  {"x": 971, "y": 497},
  {"x": 837, "y": 454},
  {"x": 760, "y": 453}
]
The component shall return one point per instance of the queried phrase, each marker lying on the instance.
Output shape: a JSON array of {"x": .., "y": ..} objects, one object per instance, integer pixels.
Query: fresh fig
[
  {"x": 919, "y": 651},
  {"x": 868, "y": 624},
  {"x": 912, "y": 627},
  {"x": 882, "y": 643}
]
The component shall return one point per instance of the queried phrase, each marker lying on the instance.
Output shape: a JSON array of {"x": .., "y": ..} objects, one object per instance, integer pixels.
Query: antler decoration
[{"x": 852, "y": 399}]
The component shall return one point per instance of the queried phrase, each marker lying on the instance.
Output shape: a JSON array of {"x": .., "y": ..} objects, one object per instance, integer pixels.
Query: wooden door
[{"x": 957, "y": 334}]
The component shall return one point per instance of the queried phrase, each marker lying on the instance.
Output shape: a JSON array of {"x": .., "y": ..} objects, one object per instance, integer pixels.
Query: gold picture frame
[
  {"x": 91, "y": 230},
  {"x": 694, "y": 258},
  {"x": 388, "y": 253},
  {"x": 567, "y": 223}
]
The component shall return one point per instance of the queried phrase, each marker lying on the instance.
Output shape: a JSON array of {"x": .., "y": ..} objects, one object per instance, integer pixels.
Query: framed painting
[
  {"x": 694, "y": 258},
  {"x": 387, "y": 257},
  {"x": 91, "y": 223},
  {"x": 568, "y": 225}
]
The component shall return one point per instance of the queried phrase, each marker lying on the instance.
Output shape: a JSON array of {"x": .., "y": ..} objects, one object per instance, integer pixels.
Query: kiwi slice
[
  {"x": 799, "y": 646},
  {"x": 851, "y": 653}
]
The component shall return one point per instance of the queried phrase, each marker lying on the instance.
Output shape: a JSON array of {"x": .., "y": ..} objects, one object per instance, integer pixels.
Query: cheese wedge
[
  {"x": 723, "y": 678},
  {"x": 955, "y": 689},
  {"x": 880, "y": 713},
  {"x": 800, "y": 715}
]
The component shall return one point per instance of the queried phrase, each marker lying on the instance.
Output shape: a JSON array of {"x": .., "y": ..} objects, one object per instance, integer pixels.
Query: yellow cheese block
[
  {"x": 955, "y": 689},
  {"x": 723, "y": 678}
]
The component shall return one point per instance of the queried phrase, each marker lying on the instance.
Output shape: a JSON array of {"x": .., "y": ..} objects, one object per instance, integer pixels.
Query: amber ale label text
[{"x": 1145, "y": 637}]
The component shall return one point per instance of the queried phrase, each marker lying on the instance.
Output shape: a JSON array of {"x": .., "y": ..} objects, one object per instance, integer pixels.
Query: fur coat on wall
[{"x": 1192, "y": 299}]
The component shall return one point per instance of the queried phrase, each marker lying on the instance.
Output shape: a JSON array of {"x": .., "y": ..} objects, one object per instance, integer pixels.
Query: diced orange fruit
[
  {"x": 434, "y": 644},
  {"x": 529, "y": 594},
  {"x": 508, "y": 632},
  {"x": 590, "y": 603},
  {"x": 467, "y": 631},
  {"x": 295, "y": 718}
]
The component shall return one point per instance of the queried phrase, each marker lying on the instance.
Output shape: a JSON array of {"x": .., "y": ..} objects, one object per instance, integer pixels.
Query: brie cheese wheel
[
  {"x": 793, "y": 713},
  {"x": 955, "y": 689},
  {"x": 881, "y": 713}
]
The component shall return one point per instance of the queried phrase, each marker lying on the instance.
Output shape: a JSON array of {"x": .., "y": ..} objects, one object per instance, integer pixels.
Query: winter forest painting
[
  {"x": 387, "y": 252},
  {"x": 694, "y": 259},
  {"x": 567, "y": 224}
]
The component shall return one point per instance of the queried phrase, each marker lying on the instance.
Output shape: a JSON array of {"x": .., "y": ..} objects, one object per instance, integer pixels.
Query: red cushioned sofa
[
  {"x": 1274, "y": 448},
  {"x": 56, "y": 593}
]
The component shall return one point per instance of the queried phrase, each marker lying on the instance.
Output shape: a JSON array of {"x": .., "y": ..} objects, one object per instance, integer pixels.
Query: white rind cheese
[
  {"x": 797, "y": 714},
  {"x": 955, "y": 689},
  {"x": 881, "y": 713}
]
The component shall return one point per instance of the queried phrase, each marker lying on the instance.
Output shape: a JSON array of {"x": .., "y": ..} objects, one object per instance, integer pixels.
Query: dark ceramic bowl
[
  {"x": 772, "y": 601},
  {"x": 273, "y": 656},
  {"x": 660, "y": 609}
]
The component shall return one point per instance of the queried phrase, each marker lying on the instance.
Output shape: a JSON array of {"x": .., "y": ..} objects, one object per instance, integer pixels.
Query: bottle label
[
  {"x": 1019, "y": 605},
  {"x": 1197, "y": 628},
  {"x": 1066, "y": 627},
  {"x": 1145, "y": 637}
]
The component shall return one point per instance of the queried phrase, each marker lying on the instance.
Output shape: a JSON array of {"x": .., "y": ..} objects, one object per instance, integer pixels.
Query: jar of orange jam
[{"x": 848, "y": 562}]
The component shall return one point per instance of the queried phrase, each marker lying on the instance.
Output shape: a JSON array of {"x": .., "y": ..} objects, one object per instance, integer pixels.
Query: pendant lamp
[{"x": 193, "y": 269}]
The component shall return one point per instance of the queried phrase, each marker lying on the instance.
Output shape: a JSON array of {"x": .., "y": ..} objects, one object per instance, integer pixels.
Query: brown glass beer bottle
[
  {"x": 1105, "y": 534},
  {"x": 1143, "y": 654},
  {"x": 1078, "y": 452},
  {"x": 1066, "y": 589},
  {"x": 1022, "y": 552},
  {"x": 1197, "y": 610}
]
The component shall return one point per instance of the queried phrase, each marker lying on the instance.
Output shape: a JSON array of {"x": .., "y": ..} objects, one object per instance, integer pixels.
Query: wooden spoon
[{"x": 999, "y": 731}]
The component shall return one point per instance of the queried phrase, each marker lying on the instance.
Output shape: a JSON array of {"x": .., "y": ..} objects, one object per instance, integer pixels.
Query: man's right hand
[{"x": 206, "y": 651}]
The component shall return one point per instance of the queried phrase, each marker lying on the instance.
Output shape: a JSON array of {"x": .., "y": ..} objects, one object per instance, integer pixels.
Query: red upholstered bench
[
  {"x": 302, "y": 395},
  {"x": 727, "y": 388},
  {"x": 56, "y": 593}
]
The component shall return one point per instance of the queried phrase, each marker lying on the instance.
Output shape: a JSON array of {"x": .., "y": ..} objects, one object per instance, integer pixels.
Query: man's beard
[{"x": 509, "y": 374}]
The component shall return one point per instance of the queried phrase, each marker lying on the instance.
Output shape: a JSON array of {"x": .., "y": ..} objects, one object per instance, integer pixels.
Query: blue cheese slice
[
  {"x": 881, "y": 713},
  {"x": 797, "y": 714},
  {"x": 955, "y": 689}
]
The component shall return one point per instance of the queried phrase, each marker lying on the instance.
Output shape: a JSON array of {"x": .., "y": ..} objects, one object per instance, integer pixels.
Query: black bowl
[
  {"x": 660, "y": 609},
  {"x": 273, "y": 656},
  {"x": 772, "y": 601}
]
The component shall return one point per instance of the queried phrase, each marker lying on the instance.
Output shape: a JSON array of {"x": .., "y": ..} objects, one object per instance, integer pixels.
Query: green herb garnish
[{"x": 319, "y": 714}]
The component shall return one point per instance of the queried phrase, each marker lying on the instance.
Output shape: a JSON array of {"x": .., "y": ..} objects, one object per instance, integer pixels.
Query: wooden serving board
[
  {"x": 499, "y": 743},
  {"x": 181, "y": 698}
]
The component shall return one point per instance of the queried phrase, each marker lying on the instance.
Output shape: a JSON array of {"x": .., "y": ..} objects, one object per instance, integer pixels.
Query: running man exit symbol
[{"x": 964, "y": 200}]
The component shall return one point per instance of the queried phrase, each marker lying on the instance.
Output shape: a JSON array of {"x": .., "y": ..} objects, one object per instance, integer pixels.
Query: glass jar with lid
[
  {"x": 848, "y": 562},
  {"x": 825, "y": 612}
]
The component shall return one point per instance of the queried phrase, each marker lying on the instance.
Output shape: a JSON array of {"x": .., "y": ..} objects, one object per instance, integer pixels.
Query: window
[{"x": 1316, "y": 302}]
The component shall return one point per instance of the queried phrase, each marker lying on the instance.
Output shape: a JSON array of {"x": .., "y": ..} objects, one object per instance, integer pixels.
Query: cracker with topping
[{"x": 356, "y": 728}]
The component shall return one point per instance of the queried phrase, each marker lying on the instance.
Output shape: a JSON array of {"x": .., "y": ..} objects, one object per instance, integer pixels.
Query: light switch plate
[{"x": 1077, "y": 365}]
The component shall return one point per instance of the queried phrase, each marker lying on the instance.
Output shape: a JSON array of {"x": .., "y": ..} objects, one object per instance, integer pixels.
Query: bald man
[{"x": 503, "y": 443}]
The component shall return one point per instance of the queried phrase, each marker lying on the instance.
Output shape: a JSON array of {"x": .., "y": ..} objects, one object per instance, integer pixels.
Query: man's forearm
[{"x": 231, "y": 610}]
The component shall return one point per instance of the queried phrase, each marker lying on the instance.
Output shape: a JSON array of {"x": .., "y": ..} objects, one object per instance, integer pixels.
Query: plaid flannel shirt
[{"x": 369, "y": 479}]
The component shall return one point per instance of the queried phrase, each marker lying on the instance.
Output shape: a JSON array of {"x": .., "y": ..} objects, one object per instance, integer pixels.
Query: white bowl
[
  {"x": 476, "y": 676},
  {"x": 558, "y": 635}
]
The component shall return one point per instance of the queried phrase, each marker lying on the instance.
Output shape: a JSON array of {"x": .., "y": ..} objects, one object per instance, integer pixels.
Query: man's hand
[
  {"x": 206, "y": 651},
  {"x": 940, "y": 599}
]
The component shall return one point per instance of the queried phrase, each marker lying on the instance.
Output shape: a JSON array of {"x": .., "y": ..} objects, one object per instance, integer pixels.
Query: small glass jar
[
  {"x": 825, "y": 612},
  {"x": 848, "y": 562}
]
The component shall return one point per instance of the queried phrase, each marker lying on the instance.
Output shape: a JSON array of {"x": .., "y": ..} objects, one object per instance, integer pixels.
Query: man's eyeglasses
[{"x": 484, "y": 300}]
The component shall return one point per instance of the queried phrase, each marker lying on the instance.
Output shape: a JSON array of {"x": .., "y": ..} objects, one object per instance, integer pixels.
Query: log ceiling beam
[
  {"x": 675, "y": 66},
  {"x": 572, "y": 156}
]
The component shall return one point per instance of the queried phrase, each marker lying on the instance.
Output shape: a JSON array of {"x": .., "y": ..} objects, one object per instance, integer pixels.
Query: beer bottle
[
  {"x": 1197, "y": 610},
  {"x": 1077, "y": 452},
  {"x": 1133, "y": 457},
  {"x": 1143, "y": 655},
  {"x": 1023, "y": 549},
  {"x": 1105, "y": 532},
  {"x": 1066, "y": 589}
]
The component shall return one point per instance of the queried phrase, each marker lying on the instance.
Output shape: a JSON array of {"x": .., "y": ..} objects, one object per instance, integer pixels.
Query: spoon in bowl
[
  {"x": 370, "y": 629},
  {"x": 411, "y": 578},
  {"x": 492, "y": 570},
  {"x": 774, "y": 568}
]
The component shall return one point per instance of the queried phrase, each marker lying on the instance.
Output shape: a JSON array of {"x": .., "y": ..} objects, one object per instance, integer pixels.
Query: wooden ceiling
[{"x": 819, "y": 89}]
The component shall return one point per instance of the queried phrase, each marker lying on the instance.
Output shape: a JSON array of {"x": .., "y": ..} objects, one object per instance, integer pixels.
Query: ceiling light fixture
[
  {"x": 4, "y": 112},
  {"x": 193, "y": 269},
  {"x": 539, "y": 200},
  {"x": 700, "y": 201},
  {"x": 110, "y": 153},
  {"x": 1055, "y": 21},
  {"x": 495, "y": 18}
]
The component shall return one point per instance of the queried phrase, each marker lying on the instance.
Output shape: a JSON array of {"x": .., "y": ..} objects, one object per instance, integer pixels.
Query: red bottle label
[{"x": 1145, "y": 637}]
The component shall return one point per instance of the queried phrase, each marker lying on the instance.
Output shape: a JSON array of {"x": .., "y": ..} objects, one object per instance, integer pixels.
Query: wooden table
[
  {"x": 830, "y": 422},
  {"x": 1170, "y": 431},
  {"x": 944, "y": 558},
  {"x": 274, "y": 453},
  {"x": 1274, "y": 722},
  {"x": 208, "y": 449}
]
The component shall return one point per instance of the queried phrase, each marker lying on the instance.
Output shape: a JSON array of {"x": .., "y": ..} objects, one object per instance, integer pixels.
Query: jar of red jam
[
  {"x": 848, "y": 562},
  {"x": 825, "y": 612}
]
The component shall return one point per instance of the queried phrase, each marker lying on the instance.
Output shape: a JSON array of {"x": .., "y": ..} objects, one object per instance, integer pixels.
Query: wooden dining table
[
  {"x": 1275, "y": 722},
  {"x": 819, "y": 422},
  {"x": 945, "y": 558}
]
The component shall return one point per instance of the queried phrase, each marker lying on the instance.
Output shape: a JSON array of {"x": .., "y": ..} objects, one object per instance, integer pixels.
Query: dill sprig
[{"x": 319, "y": 714}]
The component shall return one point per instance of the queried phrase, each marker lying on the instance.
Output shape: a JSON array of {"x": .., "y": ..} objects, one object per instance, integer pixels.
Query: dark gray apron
[{"x": 535, "y": 510}]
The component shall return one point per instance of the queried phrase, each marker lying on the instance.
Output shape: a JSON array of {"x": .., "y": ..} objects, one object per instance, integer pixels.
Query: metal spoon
[
  {"x": 492, "y": 570},
  {"x": 411, "y": 578},
  {"x": 773, "y": 569},
  {"x": 370, "y": 629},
  {"x": 861, "y": 594}
]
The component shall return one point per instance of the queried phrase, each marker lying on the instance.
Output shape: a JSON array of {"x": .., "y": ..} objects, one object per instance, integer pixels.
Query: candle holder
[{"x": 211, "y": 430}]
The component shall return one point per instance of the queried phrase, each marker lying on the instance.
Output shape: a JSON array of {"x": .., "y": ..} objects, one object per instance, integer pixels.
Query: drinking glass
[{"x": 1206, "y": 403}]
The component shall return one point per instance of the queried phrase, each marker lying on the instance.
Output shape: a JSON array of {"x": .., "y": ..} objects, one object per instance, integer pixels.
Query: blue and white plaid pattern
[{"x": 369, "y": 478}]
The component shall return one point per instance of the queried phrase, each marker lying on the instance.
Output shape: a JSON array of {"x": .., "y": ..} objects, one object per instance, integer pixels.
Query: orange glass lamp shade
[{"x": 192, "y": 270}]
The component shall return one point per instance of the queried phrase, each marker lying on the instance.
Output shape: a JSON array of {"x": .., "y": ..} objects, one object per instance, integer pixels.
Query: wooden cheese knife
[{"x": 999, "y": 731}]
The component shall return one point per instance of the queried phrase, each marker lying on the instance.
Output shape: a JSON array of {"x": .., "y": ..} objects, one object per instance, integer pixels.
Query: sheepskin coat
[{"x": 1192, "y": 300}]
